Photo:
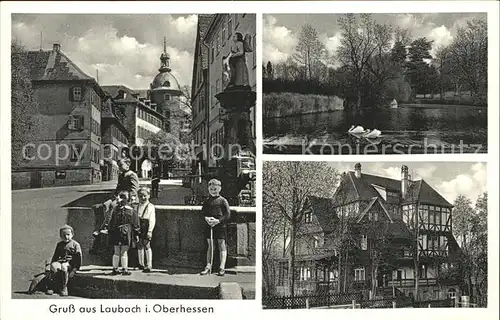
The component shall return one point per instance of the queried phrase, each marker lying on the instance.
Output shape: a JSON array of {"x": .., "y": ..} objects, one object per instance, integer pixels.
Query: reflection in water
[{"x": 437, "y": 123}]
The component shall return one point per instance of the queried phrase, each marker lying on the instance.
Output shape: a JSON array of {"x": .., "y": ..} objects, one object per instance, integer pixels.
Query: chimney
[
  {"x": 405, "y": 182},
  {"x": 56, "y": 47},
  {"x": 357, "y": 170}
]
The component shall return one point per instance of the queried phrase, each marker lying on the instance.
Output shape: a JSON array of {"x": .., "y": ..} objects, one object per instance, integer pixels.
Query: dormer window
[
  {"x": 166, "y": 84},
  {"x": 308, "y": 217}
]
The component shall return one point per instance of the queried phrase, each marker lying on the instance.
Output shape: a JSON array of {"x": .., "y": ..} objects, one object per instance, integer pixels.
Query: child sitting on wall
[{"x": 66, "y": 260}]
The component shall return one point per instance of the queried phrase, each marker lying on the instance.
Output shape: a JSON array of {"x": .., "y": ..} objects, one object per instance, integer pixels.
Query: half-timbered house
[{"x": 377, "y": 235}]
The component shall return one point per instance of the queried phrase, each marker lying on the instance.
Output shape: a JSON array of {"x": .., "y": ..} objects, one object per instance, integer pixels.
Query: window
[
  {"x": 308, "y": 217},
  {"x": 92, "y": 98},
  {"x": 29, "y": 153},
  {"x": 76, "y": 94},
  {"x": 364, "y": 242},
  {"x": 444, "y": 216},
  {"x": 423, "y": 272},
  {"x": 452, "y": 294},
  {"x": 167, "y": 97},
  {"x": 213, "y": 96},
  {"x": 212, "y": 53},
  {"x": 229, "y": 26},
  {"x": 218, "y": 44},
  {"x": 373, "y": 216},
  {"x": 75, "y": 123},
  {"x": 359, "y": 274},
  {"x": 223, "y": 34},
  {"x": 424, "y": 214},
  {"x": 316, "y": 243},
  {"x": 76, "y": 152},
  {"x": 399, "y": 274}
]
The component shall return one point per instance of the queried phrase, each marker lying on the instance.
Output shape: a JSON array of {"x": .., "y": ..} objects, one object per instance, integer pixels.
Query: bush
[{"x": 287, "y": 104}]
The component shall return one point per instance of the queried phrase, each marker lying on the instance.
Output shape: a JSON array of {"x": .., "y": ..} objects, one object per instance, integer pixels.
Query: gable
[{"x": 429, "y": 195}]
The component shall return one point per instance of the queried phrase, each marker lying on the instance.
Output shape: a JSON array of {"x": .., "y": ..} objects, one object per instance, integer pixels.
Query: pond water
[{"x": 437, "y": 124}]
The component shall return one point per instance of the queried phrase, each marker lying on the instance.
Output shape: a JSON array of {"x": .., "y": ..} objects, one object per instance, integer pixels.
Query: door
[{"x": 36, "y": 179}]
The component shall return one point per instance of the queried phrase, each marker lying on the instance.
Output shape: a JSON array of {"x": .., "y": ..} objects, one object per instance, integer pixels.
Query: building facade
[
  {"x": 115, "y": 140},
  {"x": 66, "y": 149},
  {"x": 377, "y": 235},
  {"x": 199, "y": 93}
]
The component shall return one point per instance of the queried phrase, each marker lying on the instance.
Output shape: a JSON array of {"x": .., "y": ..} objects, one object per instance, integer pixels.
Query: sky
[
  {"x": 448, "y": 178},
  {"x": 124, "y": 48},
  {"x": 280, "y": 31}
]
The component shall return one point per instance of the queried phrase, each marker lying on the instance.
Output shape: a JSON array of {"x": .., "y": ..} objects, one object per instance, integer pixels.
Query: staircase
[{"x": 388, "y": 293}]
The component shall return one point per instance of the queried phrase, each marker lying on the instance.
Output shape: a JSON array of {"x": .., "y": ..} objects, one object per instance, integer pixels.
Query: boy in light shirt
[{"x": 147, "y": 221}]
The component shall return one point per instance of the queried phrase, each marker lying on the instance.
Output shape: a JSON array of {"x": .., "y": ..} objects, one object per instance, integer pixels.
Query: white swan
[
  {"x": 372, "y": 134},
  {"x": 357, "y": 129}
]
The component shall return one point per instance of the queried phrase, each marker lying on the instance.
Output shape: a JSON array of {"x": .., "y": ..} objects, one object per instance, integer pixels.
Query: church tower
[{"x": 165, "y": 91}]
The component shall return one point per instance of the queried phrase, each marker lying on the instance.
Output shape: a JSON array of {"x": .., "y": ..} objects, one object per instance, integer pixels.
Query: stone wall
[
  {"x": 32, "y": 178},
  {"x": 179, "y": 241}
]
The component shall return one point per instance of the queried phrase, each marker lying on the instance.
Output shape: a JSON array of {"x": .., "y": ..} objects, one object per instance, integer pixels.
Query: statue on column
[{"x": 235, "y": 71}]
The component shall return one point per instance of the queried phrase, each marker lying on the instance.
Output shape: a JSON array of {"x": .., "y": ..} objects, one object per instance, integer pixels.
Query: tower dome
[{"x": 165, "y": 80}]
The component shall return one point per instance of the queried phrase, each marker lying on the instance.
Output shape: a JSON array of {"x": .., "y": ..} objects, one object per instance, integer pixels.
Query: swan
[
  {"x": 357, "y": 129},
  {"x": 372, "y": 134}
]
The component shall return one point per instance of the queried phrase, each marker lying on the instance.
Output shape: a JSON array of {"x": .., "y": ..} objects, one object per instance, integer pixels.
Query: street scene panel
[
  {"x": 381, "y": 83},
  {"x": 133, "y": 156},
  {"x": 344, "y": 235}
]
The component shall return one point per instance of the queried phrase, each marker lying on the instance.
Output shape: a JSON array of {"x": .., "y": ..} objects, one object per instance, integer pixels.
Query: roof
[
  {"x": 165, "y": 80},
  {"x": 114, "y": 92},
  {"x": 204, "y": 21},
  {"x": 398, "y": 229},
  {"x": 429, "y": 195},
  {"x": 370, "y": 205},
  {"x": 54, "y": 65},
  {"x": 419, "y": 190},
  {"x": 322, "y": 211}
]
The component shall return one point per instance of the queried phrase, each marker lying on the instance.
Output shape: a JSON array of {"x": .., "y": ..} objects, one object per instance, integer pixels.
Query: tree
[
  {"x": 469, "y": 54},
  {"x": 309, "y": 50},
  {"x": 471, "y": 227},
  {"x": 269, "y": 70},
  {"x": 24, "y": 106},
  {"x": 422, "y": 75},
  {"x": 288, "y": 185},
  {"x": 273, "y": 224},
  {"x": 363, "y": 49},
  {"x": 168, "y": 148}
]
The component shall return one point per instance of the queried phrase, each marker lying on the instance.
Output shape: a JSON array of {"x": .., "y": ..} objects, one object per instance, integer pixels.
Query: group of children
[{"x": 133, "y": 222}]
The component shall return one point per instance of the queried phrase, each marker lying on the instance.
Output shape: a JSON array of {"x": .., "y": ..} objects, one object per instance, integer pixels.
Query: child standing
[
  {"x": 217, "y": 213},
  {"x": 147, "y": 220},
  {"x": 122, "y": 225},
  {"x": 67, "y": 258}
]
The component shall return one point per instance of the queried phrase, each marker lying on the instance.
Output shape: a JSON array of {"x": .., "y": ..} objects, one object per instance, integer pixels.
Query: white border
[{"x": 27, "y": 309}]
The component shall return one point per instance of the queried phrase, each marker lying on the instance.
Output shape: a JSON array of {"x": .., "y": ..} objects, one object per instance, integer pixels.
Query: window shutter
[
  {"x": 80, "y": 122},
  {"x": 71, "y": 98}
]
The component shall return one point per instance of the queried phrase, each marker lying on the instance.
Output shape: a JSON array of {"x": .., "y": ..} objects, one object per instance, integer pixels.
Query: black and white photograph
[
  {"x": 133, "y": 156},
  {"x": 345, "y": 235},
  {"x": 381, "y": 83}
]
